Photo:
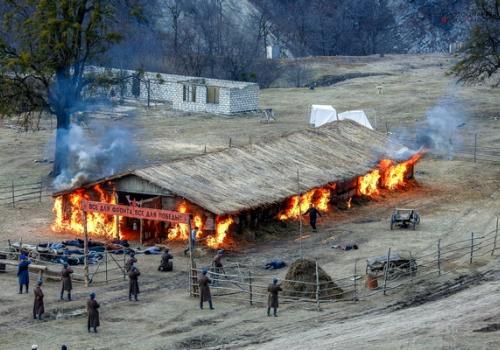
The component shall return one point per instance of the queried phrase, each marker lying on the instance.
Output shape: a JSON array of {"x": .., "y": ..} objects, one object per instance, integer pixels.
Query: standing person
[
  {"x": 66, "y": 283},
  {"x": 313, "y": 216},
  {"x": 23, "y": 275},
  {"x": 130, "y": 261},
  {"x": 166, "y": 264},
  {"x": 133, "y": 284},
  {"x": 38, "y": 307},
  {"x": 217, "y": 261},
  {"x": 193, "y": 234},
  {"x": 93, "y": 313},
  {"x": 272, "y": 298},
  {"x": 205, "y": 295}
]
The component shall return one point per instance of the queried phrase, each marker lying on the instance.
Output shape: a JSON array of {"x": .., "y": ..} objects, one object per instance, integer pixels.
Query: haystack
[{"x": 304, "y": 270}]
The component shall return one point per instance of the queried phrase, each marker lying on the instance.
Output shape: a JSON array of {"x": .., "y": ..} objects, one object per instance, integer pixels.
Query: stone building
[{"x": 186, "y": 93}]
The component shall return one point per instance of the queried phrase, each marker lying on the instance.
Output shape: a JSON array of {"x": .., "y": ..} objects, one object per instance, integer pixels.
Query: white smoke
[
  {"x": 102, "y": 153},
  {"x": 440, "y": 134}
]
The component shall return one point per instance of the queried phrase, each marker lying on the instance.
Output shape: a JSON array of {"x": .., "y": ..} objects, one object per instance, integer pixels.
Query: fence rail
[
  {"x": 249, "y": 286},
  {"x": 17, "y": 192}
]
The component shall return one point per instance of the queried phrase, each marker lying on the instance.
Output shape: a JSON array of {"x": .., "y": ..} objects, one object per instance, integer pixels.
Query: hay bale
[{"x": 304, "y": 270}]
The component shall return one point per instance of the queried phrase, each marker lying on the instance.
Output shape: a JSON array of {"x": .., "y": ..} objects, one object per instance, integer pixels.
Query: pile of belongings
[{"x": 72, "y": 251}]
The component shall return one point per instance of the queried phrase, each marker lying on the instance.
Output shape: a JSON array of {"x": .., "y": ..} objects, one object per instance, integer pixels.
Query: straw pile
[{"x": 303, "y": 274}]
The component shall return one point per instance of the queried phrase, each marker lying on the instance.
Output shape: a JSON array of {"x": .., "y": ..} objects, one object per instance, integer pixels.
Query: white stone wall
[
  {"x": 234, "y": 96},
  {"x": 246, "y": 99},
  {"x": 200, "y": 105}
]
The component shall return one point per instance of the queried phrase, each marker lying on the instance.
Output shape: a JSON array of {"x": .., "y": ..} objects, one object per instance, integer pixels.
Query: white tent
[
  {"x": 357, "y": 116},
  {"x": 322, "y": 114}
]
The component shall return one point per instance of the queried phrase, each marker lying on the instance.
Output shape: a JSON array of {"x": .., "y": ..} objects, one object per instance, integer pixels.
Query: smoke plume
[
  {"x": 440, "y": 133},
  {"x": 97, "y": 154}
]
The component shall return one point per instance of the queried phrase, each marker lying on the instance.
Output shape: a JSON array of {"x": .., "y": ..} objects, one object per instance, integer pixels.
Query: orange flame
[
  {"x": 368, "y": 184},
  {"x": 179, "y": 231},
  {"x": 221, "y": 231},
  {"x": 69, "y": 218},
  {"x": 389, "y": 175},
  {"x": 319, "y": 197}
]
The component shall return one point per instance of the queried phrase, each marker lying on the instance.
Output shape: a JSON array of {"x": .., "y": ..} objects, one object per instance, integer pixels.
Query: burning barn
[{"x": 242, "y": 187}]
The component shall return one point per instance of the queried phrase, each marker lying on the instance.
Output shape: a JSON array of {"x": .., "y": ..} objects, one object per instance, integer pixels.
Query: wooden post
[
  {"x": 13, "y": 196},
  {"x": 300, "y": 213},
  {"x": 230, "y": 142},
  {"x": 317, "y": 287},
  {"x": 355, "y": 293},
  {"x": 41, "y": 189},
  {"x": 495, "y": 240},
  {"x": 190, "y": 242},
  {"x": 250, "y": 286},
  {"x": 386, "y": 270},
  {"x": 106, "y": 262},
  {"x": 475, "y": 146},
  {"x": 141, "y": 231},
  {"x": 439, "y": 256},
  {"x": 250, "y": 140},
  {"x": 471, "y": 246},
  {"x": 124, "y": 270},
  {"x": 117, "y": 220},
  {"x": 85, "y": 250},
  {"x": 205, "y": 150}
]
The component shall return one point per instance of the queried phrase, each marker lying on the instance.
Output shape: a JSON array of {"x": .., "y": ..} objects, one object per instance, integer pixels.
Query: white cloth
[
  {"x": 357, "y": 116},
  {"x": 322, "y": 114}
]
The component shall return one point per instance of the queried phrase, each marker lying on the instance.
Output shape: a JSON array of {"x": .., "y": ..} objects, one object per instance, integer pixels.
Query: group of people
[
  {"x": 24, "y": 280},
  {"x": 93, "y": 321}
]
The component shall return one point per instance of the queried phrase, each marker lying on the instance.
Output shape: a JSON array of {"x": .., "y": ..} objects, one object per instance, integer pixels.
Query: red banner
[{"x": 135, "y": 212}]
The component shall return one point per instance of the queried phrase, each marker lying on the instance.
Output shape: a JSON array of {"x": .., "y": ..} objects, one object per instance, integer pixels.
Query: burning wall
[{"x": 214, "y": 230}]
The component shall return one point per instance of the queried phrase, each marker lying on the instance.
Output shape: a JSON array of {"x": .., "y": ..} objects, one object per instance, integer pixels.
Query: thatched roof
[{"x": 257, "y": 175}]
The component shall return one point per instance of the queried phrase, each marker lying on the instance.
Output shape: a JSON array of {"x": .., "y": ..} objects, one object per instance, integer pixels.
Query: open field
[{"x": 454, "y": 198}]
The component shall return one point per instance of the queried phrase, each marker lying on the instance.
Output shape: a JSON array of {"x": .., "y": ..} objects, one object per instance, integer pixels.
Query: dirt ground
[{"x": 454, "y": 198}]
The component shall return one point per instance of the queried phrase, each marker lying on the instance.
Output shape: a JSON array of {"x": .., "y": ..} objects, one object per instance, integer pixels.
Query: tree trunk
[{"x": 62, "y": 143}]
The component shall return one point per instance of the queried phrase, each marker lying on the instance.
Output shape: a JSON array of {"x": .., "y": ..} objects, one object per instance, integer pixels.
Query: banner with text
[{"x": 135, "y": 212}]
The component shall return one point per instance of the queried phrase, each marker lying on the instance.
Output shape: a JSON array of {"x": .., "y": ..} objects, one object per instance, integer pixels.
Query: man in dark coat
[
  {"x": 93, "y": 313},
  {"x": 23, "y": 273},
  {"x": 133, "y": 284},
  {"x": 217, "y": 261},
  {"x": 272, "y": 298},
  {"x": 66, "y": 284},
  {"x": 313, "y": 216},
  {"x": 204, "y": 284},
  {"x": 166, "y": 264},
  {"x": 38, "y": 308},
  {"x": 130, "y": 262}
]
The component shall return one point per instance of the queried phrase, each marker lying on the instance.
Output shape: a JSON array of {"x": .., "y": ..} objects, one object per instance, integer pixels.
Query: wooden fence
[
  {"x": 15, "y": 192},
  {"x": 247, "y": 285}
]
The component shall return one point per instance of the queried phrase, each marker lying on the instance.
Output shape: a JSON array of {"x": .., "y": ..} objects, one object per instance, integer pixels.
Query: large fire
[
  {"x": 222, "y": 225},
  {"x": 317, "y": 197},
  {"x": 368, "y": 184},
  {"x": 389, "y": 175},
  {"x": 70, "y": 219},
  {"x": 68, "y": 215},
  {"x": 180, "y": 232}
]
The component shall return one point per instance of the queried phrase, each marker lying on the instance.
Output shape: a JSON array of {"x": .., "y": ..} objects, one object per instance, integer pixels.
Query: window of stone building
[
  {"x": 213, "y": 94},
  {"x": 189, "y": 93}
]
